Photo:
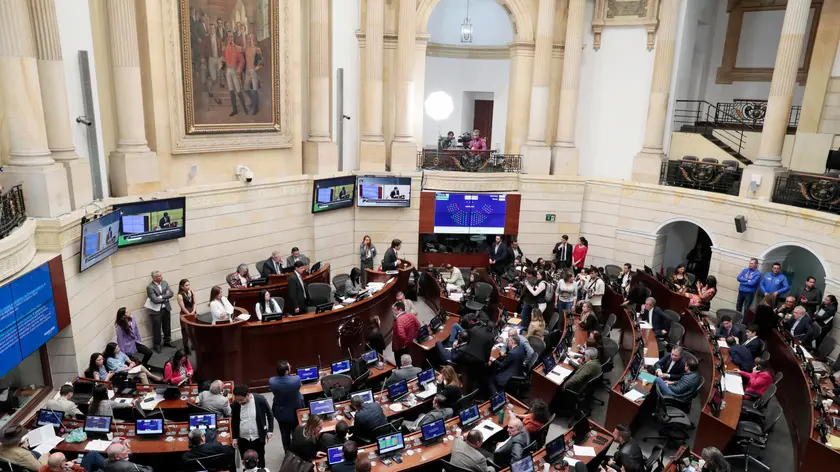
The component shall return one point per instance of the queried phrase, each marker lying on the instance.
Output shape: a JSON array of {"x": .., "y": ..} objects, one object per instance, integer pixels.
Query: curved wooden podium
[
  {"x": 278, "y": 286},
  {"x": 247, "y": 351}
]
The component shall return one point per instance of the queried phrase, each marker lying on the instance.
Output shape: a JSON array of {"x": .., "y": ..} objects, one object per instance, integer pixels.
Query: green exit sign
[{"x": 550, "y": 217}]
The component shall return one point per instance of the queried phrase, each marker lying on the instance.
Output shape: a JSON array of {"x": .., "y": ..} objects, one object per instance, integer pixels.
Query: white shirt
[
  {"x": 650, "y": 317},
  {"x": 566, "y": 291},
  {"x": 278, "y": 266},
  {"x": 248, "y": 421},
  {"x": 272, "y": 308},
  {"x": 220, "y": 307},
  {"x": 597, "y": 288},
  {"x": 562, "y": 250}
]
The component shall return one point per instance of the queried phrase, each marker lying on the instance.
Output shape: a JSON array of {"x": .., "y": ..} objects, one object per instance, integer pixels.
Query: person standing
[
  {"x": 406, "y": 328},
  {"x": 287, "y": 400},
  {"x": 498, "y": 256},
  {"x": 563, "y": 253},
  {"x": 253, "y": 63},
  {"x": 566, "y": 292},
  {"x": 579, "y": 254},
  {"x": 252, "y": 423},
  {"x": 810, "y": 296},
  {"x": 128, "y": 337},
  {"x": 391, "y": 258},
  {"x": 748, "y": 279},
  {"x": 158, "y": 295},
  {"x": 367, "y": 253},
  {"x": 775, "y": 282},
  {"x": 297, "y": 290},
  {"x": 234, "y": 63}
]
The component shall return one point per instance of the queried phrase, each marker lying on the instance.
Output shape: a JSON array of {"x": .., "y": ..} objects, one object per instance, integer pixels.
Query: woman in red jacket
[
  {"x": 579, "y": 254},
  {"x": 178, "y": 369},
  {"x": 758, "y": 380}
]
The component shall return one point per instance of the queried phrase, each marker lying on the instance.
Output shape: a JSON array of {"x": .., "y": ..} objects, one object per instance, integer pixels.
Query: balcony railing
[
  {"x": 12, "y": 210},
  {"x": 702, "y": 117},
  {"x": 708, "y": 176},
  {"x": 753, "y": 112},
  {"x": 464, "y": 160},
  {"x": 819, "y": 192}
]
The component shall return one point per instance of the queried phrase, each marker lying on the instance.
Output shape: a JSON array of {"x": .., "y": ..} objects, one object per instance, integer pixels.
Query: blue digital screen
[
  {"x": 46, "y": 417},
  {"x": 97, "y": 424},
  {"x": 335, "y": 455},
  {"x": 207, "y": 421},
  {"x": 390, "y": 443},
  {"x": 433, "y": 430},
  {"x": 341, "y": 367},
  {"x": 308, "y": 373},
  {"x": 469, "y": 416},
  {"x": 149, "y": 426},
  {"x": 460, "y": 213},
  {"x": 366, "y": 396},
  {"x": 370, "y": 357},
  {"x": 397, "y": 390},
  {"x": 384, "y": 191},
  {"x": 526, "y": 464},
  {"x": 321, "y": 407},
  {"x": 426, "y": 376},
  {"x": 9, "y": 342},
  {"x": 549, "y": 364},
  {"x": 497, "y": 401}
]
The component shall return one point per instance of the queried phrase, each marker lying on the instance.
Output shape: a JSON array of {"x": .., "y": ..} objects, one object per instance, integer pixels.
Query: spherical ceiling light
[{"x": 439, "y": 106}]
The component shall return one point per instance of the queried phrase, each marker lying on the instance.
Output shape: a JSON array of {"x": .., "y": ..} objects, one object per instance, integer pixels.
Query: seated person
[
  {"x": 455, "y": 281},
  {"x": 702, "y": 300},
  {"x": 509, "y": 365},
  {"x": 406, "y": 371},
  {"x": 628, "y": 457},
  {"x": 438, "y": 412},
  {"x": 178, "y": 369},
  {"x": 671, "y": 366},
  {"x": 588, "y": 370},
  {"x": 251, "y": 460},
  {"x": 116, "y": 361},
  {"x": 212, "y": 399},
  {"x": 117, "y": 461},
  {"x": 636, "y": 296},
  {"x": 799, "y": 325},
  {"x": 449, "y": 384},
  {"x": 57, "y": 462},
  {"x": 353, "y": 285},
  {"x": 752, "y": 343},
  {"x": 101, "y": 405},
  {"x": 305, "y": 439},
  {"x": 530, "y": 355},
  {"x": 272, "y": 266},
  {"x": 337, "y": 438},
  {"x": 14, "y": 449},
  {"x": 296, "y": 256},
  {"x": 786, "y": 308},
  {"x": 369, "y": 416},
  {"x": 96, "y": 368},
  {"x": 727, "y": 329},
  {"x": 758, "y": 380},
  {"x": 349, "y": 452},
  {"x": 220, "y": 307},
  {"x": 266, "y": 305},
  {"x": 588, "y": 318},
  {"x": 468, "y": 454},
  {"x": 63, "y": 402},
  {"x": 513, "y": 449},
  {"x": 203, "y": 447},
  {"x": 240, "y": 278},
  {"x": 409, "y": 305},
  {"x": 655, "y": 317},
  {"x": 740, "y": 355},
  {"x": 538, "y": 415},
  {"x": 684, "y": 389}
]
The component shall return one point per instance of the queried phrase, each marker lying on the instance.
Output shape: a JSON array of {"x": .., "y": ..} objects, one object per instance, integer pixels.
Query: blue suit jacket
[
  {"x": 665, "y": 363},
  {"x": 684, "y": 388},
  {"x": 510, "y": 365},
  {"x": 287, "y": 397},
  {"x": 742, "y": 357}
]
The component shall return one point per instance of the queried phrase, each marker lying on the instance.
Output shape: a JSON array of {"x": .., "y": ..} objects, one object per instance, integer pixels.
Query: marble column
[
  {"x": 565, "y": 154},
  {"x": 403, "y": 146},
  {"x": 648, "y": 163},
  {"x": 372, "y": 145},
  {"x": 134, "y": 169},
  {"x": 29, "y": 159},
  {"x": 320, "y": 153},
  {"x": 57, "y": 109},
  {"x": 537, "y": 155},
  {"x": 768, "y": 162},
  {"x": 519, "y": 96}
]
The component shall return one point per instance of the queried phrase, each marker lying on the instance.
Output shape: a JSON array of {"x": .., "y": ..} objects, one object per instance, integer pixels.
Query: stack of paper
[
  {"x": 456, "y": 296},
  {"x": 558, "y": 374},
  {"x": 97, "y": 445},
  {"x": 732, "y": 383},
  {"x": 634, "y": 395},
  {"x": 43, "y": 439},
  {"x": 243, "y": 317},
  {"x": 651, "y": 360},
  {"x": 135, "y": 369},
  {"x": 584, "y": 451},
  {"x": 645, "y": 325},
  {"x": 722, "y": 343}
]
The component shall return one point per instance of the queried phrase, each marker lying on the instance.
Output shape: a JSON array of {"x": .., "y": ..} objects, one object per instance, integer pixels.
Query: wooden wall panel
[
  {"x": 59, "y": 288},
  {"x": 514, "y": 201},
  {"x": 427, "y": 212}
]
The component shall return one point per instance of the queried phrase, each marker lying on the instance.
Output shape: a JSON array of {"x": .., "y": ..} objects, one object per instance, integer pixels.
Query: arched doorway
[
  {"x": 683, "y": 242},
  {"x": 798, "y": 263}
]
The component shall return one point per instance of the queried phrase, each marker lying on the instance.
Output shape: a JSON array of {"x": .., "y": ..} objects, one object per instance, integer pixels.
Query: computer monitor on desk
[
  {"x": 397, "y": 390},
  {"x": 335, "y": 455},
  {"x": 526, "y": 464},
  {"x": 308, "y": 374},
  {"x": 433, "y": 432},
  {"x": 322, "y": 407},
  {"x": 97, "y": 427},
  {"x": 340, "y": 367},
  {"x": 390, "y": 444},
  {"x": 206, "y": 421},
  {"x": 324, "y": 307},
  {"x": 370, "y": 357},
  {"x": 52, "y": 417},
  {"x": 149, "y": 428}
]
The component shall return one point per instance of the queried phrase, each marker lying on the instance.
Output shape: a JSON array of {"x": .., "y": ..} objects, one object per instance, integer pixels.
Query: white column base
[
  {"x": 647, "y": 166},
  {"x": 45, "y": 190},
  {"x": 79, "y": 181},
  {"x": 536, "y": 160},
  {"x": 134, "y": 173},
  {"x": 564, "y": 159},
  {"x": 320, "y": 157},
  {"x": 403, "y": 156},
  {"x": 372, "y": 155},
  {"x": 768, "y": 182}
]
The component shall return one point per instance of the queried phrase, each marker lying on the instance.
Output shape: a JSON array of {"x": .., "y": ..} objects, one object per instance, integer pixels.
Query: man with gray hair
[
  {"x": 214, "y": 400},
  {"x": 509, "y": 365},
  {"x": 118, "y": 460},
  {"x": 159, "y": 294},
  {"x": 203, "y": 445},
  {"x": 587, "y": 371},
  {"x": 406, "y": 371},
  {"x": 240, "y": 278},
  {"x": 513, "y": 449},
  {"x": 530, "y": 355},
  {"x": 273, "y": 265},
  {"x": 799, "y": 325}
]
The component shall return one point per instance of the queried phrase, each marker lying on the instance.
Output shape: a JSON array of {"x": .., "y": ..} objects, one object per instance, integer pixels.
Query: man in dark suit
[
  {"x": 369, "y": 416},
  {"x": 117, "y": 461},
  {"x": 629, "y": 456},
  {"x": 164, "y": 220},
  {"x": 391, "y": 258},
  {"x": 684, "y": 389},
  {"x": 752, "y": 342},
  {"x": 799, "y": 325},
  {"x": 273, "y": 265},
  {"x": 158, "y": 295},
  {"x": 654, "y": 316},
  {"x": 509, "y": 365},
  {"x": 406, "y": 371},
  {"x": 467, "y": 453},
  {"x": 740, "y": 355},
  {"x": 349, "y": 452},
  {"x": 297, "y": 290},
  {"x": 563, "y": 253},
  {"x": 513, "y": 449},
  {"x": 255, "y": 427},
  {"x": 728, "y": 328},
  {"x": 438, "y": 412},
  {"x": 671, "y": 366},
  {"x": 287, "y": 400},
  {"x": 296, "y": 257},
  {"x": 337, "y": 438},
  {"x": 203, "y": 447},
  {"x": 498, "y": 256},
  {"x": 516, "y": 252}
]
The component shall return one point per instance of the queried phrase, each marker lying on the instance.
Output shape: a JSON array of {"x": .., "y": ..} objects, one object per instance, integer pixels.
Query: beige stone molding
[
  {"x": 213, "y": 195},
  {"x": 17, "y": 249},
  {"x": 455, "y": 51},
  {"x": 734, "y": 254},
  {"x": 182, "y": 143},
  {"x": 729, "y": 72},
  {"x": 634, "y": 234},
  {"x": 625, "y": 13},
  {"x": 521, "y": 48},
  {"x": 468, "y": 182},
  {"x": 390, "y": 39}
]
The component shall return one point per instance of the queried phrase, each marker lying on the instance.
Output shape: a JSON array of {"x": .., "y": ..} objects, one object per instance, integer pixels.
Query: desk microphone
[
  {"x": 319, "y": 362},
  {"x": 60, "y": 424}
]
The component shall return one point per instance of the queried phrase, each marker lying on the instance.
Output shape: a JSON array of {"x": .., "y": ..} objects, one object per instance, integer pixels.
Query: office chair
[
  {"x": 691, "y": 278},
  {"x": 582, "y": 401},
  {"x": 481, "y": 296},
  {"x": 765, "y": 356},
  {"x": 360, "y": 382},
  {"x": 260, "y": 265},
  {"x": 319, "y": 293},
  {"x": 755, "y": 411},
  {"x": 609, "y": 324},
  {"x": 825, "y": 347},
  {"x": 608, "y": 363},
  {"x": 672, "y": 316},
  {"x": 613, "y": 272},
  {"x": 537, "y": 344},
  {"x": 736, "y": 316},
  {"x": 654, "y": 461},
  {"x": 777, "y": 377},
  {"x": 710, "y": 160},
  {"x": 339, "y": 283},
  {"x": 816, "y": 331},
  {"x": 750, "y": 435},
  {"x": 228, "y": 279},
  {"x": 337, "y": 386},
  {"x": 519, "y": 386},
  {"x": 553, "y": 322},
  {"x": 465, "y": 401},
  {"x": 675, "y": 336},
  {"x": 542, "y": 433},
  {"x": 216, "y": 462},
  {"x": 448, "y": 467},
  {"x": 193, "y": 409},
  {"x": 351, "y": 334},
  {"x": 7, "y": 466},
  {"x": 673, "y": 415}
]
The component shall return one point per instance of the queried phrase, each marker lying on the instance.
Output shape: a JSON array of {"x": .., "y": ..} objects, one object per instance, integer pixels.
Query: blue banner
[
  {"x": 34, "y": 309},
  {"x": 9, "y": 344}
]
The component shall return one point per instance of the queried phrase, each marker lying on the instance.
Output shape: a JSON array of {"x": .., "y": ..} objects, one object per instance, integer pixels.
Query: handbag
[{"x": 293, "y": 463}]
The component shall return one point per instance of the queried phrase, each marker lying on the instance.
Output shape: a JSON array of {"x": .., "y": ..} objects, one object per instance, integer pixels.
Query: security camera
[
  {"x": 84, "y": 121},
  {"x": 244, "y": 174}
]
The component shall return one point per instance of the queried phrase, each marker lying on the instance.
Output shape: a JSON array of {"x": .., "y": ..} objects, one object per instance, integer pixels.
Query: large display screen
[
  {"x": 152, "y": 221},
  {"x": 332, "y": 194},
  {"x": 384, "y": 191},
  {"x": 463, "y": 213},
  {"x": 99, "y": 239},
  {"x": 27, "y": 317}
]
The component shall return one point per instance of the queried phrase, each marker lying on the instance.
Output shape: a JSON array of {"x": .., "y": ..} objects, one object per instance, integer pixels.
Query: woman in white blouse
[
  {"x": 566, "y": 292},
  {"x": 267, "y": 305},
  {"x": 220, "y": 307}
]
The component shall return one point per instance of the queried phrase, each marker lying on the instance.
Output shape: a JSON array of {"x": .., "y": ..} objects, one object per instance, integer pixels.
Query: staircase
[
  {"x": 700, "y": 117},
  {"x": 708, "y": 133}
]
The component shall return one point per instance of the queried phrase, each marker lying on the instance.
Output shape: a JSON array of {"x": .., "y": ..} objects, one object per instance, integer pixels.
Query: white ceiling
[{"x": 491, "y": 25}]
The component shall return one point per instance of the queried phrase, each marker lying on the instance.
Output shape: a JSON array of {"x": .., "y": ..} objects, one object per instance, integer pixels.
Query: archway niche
[
  {"x": 678, "y": 240},
  {"x": 798, "y": 263}
]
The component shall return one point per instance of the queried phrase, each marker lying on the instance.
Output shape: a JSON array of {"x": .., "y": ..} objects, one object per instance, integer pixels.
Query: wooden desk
[
  {"x": 541, "y": 386},
  {"x": 600, "y": 449},
  {"x": 278, "y": 286},
  {"x": 310, "y": 389},
  {"x": 718, "y": 431},
  {"x": 433, "y": 294},
  {"x": 247, "y": 351},
  {"x": 420, "y": 351},
  {"x": 620, "y": 410},
  {"x": 189, "y": 394}
]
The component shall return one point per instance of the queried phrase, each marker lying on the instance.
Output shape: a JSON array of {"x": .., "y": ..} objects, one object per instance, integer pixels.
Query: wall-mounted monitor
[
  {"x": 152, "y": 221},
  {"x": 99, "y": 239},
  {"x": 332, "y": 194},
  {"x": 384, "y": 191},
  {"x": 463, "y": 213}
]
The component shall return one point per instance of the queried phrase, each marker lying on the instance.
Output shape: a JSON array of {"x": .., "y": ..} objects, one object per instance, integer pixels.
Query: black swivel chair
[
  {"x": 216, "y": 462},
  {"x": 609, "y": 324},
  {"x": 553, "y": 322},
  {"x": 319, "y": 294},
  {"x": 673, "y": 416},
  {"x": 755, "y": 411},
  {"x": 608, "y": 362},
  {"x": 538, "y": 345},
  {"x": 777, "y": 377},
  {"x": 674, "y": 338},
  {"x": 542, "y": 433},
  {"x": 337, "y": 386},
  {"x": 751, "y": 435},
  {"x": 339, "y": 284},
  {"x": 582, "y": 401},
  {"x": 654, "y": 461},
  {"x": 448, "y": 467},
  {"x": 672, "y": 316},
  {"x": 481, "y": 296},
  {"x": 465, "y": 401}
]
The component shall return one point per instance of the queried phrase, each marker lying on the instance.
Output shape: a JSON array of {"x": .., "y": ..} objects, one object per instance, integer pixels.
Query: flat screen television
[
  {"x": 99, "y": 239},
  {"x": 332, "y": 194},
  {"x": 384, "y": 191},
  {"x": 152, "y": 221},
  {"x": 462, "y": 213}
]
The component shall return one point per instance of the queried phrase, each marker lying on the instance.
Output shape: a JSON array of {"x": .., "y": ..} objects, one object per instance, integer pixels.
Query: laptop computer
[
  {"x": 389, "y": 445},
  {"x": 433, "y": 432},
  {"x": 497, "y": 402},
  {"x": 82, "y": 392},
  {"x": 206, "y": 421},
  {"x": 149, "y": 428},
  {"x": 555, "y": 449},
  {"x": 308, "y": 374},
  {"x": 581, "y": 430},
  {"x": 435, "y": 324},
  {"x": 469, "y": 416},
  {"x": 370, "y": 357},
  {"x": 97, "y": 427},
  {"x": 426, "y": 381},
  {"x": 340, "y": 367},
  {"x": 367, "y": 396},
  {"x": 335, "y": 455},
  {"x": 397, "y": 390},
  {"x": 169, "y": 393},
  {"x": 526, "y": 464},
  {"x": 322, "y": 407},
  {"x": 52, "y": 417},
  {"x": 424, "y": 334}
]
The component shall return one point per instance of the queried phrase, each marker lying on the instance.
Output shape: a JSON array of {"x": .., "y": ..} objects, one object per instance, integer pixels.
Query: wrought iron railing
[
  {"x": 705, "y": 118},
  {"x": 718, "y": 178},
  {"x": 818, "y": 192},
  {"x": 753, "y": 112},
  {"x": 12, "y": 210},
  {"x": 464, "y": 160}
]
